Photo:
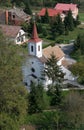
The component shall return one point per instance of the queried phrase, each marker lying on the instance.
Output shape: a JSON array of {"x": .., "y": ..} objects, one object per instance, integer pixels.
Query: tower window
[
  {"x": 31, "y": 48},
  {"x": 38, "y": 48}
]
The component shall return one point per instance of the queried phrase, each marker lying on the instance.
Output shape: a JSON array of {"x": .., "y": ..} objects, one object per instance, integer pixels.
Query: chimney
[{"x": 6, "y": 16}]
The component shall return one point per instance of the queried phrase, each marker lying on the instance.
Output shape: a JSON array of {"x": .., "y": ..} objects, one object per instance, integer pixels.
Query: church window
[
  {"x": 38, "y": 48},
  {"x": 32, "y": 69},
  {"x": 32, "y": 48}
]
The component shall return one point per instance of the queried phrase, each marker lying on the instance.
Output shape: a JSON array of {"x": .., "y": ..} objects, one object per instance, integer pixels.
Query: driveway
[{"x": 67, "y": 48}]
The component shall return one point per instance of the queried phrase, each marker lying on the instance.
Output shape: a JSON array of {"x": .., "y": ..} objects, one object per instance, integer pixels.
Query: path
[{"x": 67, "y": 49}]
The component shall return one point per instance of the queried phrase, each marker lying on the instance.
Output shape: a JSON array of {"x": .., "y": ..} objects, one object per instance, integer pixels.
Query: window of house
[
  {"x": 32, "y": 69},
  {"x": 22, "y": 39},
  {"x": 13, "y": 16},
  {"x": 18, "y": 39},
  {"x": 31, "y": 48},
  {"x": 38, "y": 48},
  {"x": 19, "y": 33}
]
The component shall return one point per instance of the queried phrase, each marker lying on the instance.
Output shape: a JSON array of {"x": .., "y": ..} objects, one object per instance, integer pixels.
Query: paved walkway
[{"x": 67, "y": 49}]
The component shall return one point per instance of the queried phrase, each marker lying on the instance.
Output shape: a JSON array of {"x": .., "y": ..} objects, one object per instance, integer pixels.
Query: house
[
  {"x": 35, "y": 61},
  {"x": 2, "y": 16},
  {"x": 51, "y": 12},
  {"x": 14, "y": 33},
  {"x": 14, "y": 16},
  {"x": 66, "y": 7}
]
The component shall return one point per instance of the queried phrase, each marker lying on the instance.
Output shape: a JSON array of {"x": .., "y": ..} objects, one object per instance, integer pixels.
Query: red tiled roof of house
[
  {"x": 65, "y": 7},
  {"x": 51, "y": 12},
  {"x": 56, "y": 50},
  {"x": 34, "y": 38},
  {"x": 9, "y": 30}
]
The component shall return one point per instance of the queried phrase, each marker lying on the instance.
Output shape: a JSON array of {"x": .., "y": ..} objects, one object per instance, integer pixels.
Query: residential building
[
  {"x": 66, "y": 7},
  {"x": 51, "y": 12},
  {"x": 14, "y": 33},
  {"x": 14, "y": 16}
]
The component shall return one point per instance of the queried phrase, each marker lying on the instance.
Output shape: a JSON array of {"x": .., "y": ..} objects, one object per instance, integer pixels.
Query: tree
[
  {"x": 68, "y": 21},
  {"x": 57, "y": 27},
  {"x": 54, "y": 73},
  {"x": 52, "y": 70},
  {"x": 12, "y": 93},
  {"x": 60, "y": 25},
  {"x": 77, "y": 43},
  {"x": 80, "y": 43},
  {"x": 27, "y": 8},
  {"x": 55, "y": 94},
  {"x": 78, "y": 70},
  {"x": 76, "y": 21},
  {"x": 7, "y": 123},
  {"x": 36, "y": 98},
  {"x": 73, "y": 109},
  {"x": 45, "y": 18}
]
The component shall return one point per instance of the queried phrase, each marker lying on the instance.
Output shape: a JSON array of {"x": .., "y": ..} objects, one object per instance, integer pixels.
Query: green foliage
[
  {"x": 12, "y": 93},
  {"x": 45, "y": 18},
  {"x": 80, "y": 43},
  {"x": 52, "y": 70},
  {"x": 73, "y": 110},
  {"x": 68, "y": 21},
  {"x": 78, "y": 70},
  {"x": 27, "y": 8},
  {"x": 56, "y": 95},
  {"x": 36, "y": 99},
  {"x": 57, "y": 28},
  {"x": 7, "y": 123},
  {"x": 48, "y": 120}
]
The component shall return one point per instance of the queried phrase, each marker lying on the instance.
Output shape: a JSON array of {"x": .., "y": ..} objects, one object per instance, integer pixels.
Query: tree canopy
[{"x": 12, "y": 92}]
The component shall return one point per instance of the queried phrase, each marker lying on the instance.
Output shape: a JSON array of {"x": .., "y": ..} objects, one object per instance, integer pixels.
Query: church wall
[
  {"x": 32, "y": 66},
  {"x": 39, "y": 52}
]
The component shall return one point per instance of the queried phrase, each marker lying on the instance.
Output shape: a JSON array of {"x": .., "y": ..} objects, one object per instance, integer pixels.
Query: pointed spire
[
  {"x": 34, "y": 33},
  {"x": 34, "y": 37}
]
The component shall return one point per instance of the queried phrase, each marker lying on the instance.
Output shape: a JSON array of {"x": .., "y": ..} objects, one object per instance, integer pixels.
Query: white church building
[{"x": 37, "y": 57}]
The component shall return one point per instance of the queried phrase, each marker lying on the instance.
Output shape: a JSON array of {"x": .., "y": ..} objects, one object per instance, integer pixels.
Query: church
[{"x": 36, "y": 59}]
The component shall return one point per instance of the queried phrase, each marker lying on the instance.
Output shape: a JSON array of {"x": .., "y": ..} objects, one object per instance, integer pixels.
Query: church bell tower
[{"x": 35, "y": 44}]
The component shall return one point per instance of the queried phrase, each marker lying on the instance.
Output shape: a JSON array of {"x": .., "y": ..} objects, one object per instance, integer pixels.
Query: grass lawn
[
  {"x": 81, "y": 16},
  {"x": 63, "y": 38}
]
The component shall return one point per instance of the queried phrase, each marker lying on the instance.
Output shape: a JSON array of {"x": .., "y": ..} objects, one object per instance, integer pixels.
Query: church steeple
[
  {"x": 35, "y": 43},
  {"x": 34, "y": 38}
]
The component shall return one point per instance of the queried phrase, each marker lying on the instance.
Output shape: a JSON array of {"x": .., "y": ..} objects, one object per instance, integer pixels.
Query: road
[{"x": 67, "y": 49}]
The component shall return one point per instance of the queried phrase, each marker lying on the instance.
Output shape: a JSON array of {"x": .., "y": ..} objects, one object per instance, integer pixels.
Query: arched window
[
  {"x": 32, "y": 69},
  {"x": 31, "y": 48},
  {"x": 38, "y": 48}
]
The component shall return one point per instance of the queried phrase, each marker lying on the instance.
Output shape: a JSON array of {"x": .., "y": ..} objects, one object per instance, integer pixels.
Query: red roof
[
  {"x": 51, "y": 12},
  {"x": 34, "y": 38},
  {"x": 65, "y": 7}
]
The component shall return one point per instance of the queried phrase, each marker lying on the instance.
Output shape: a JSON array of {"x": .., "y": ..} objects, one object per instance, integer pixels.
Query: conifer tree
[
  {"x": 52, "y": 70},
  {"x": 27, "y": 8},
  {"x": 36, "y": 99},
  {"x": 45, "y": 18},
  {"x": 69, "y": 21},
  {"x": 60, "y": 25}
]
